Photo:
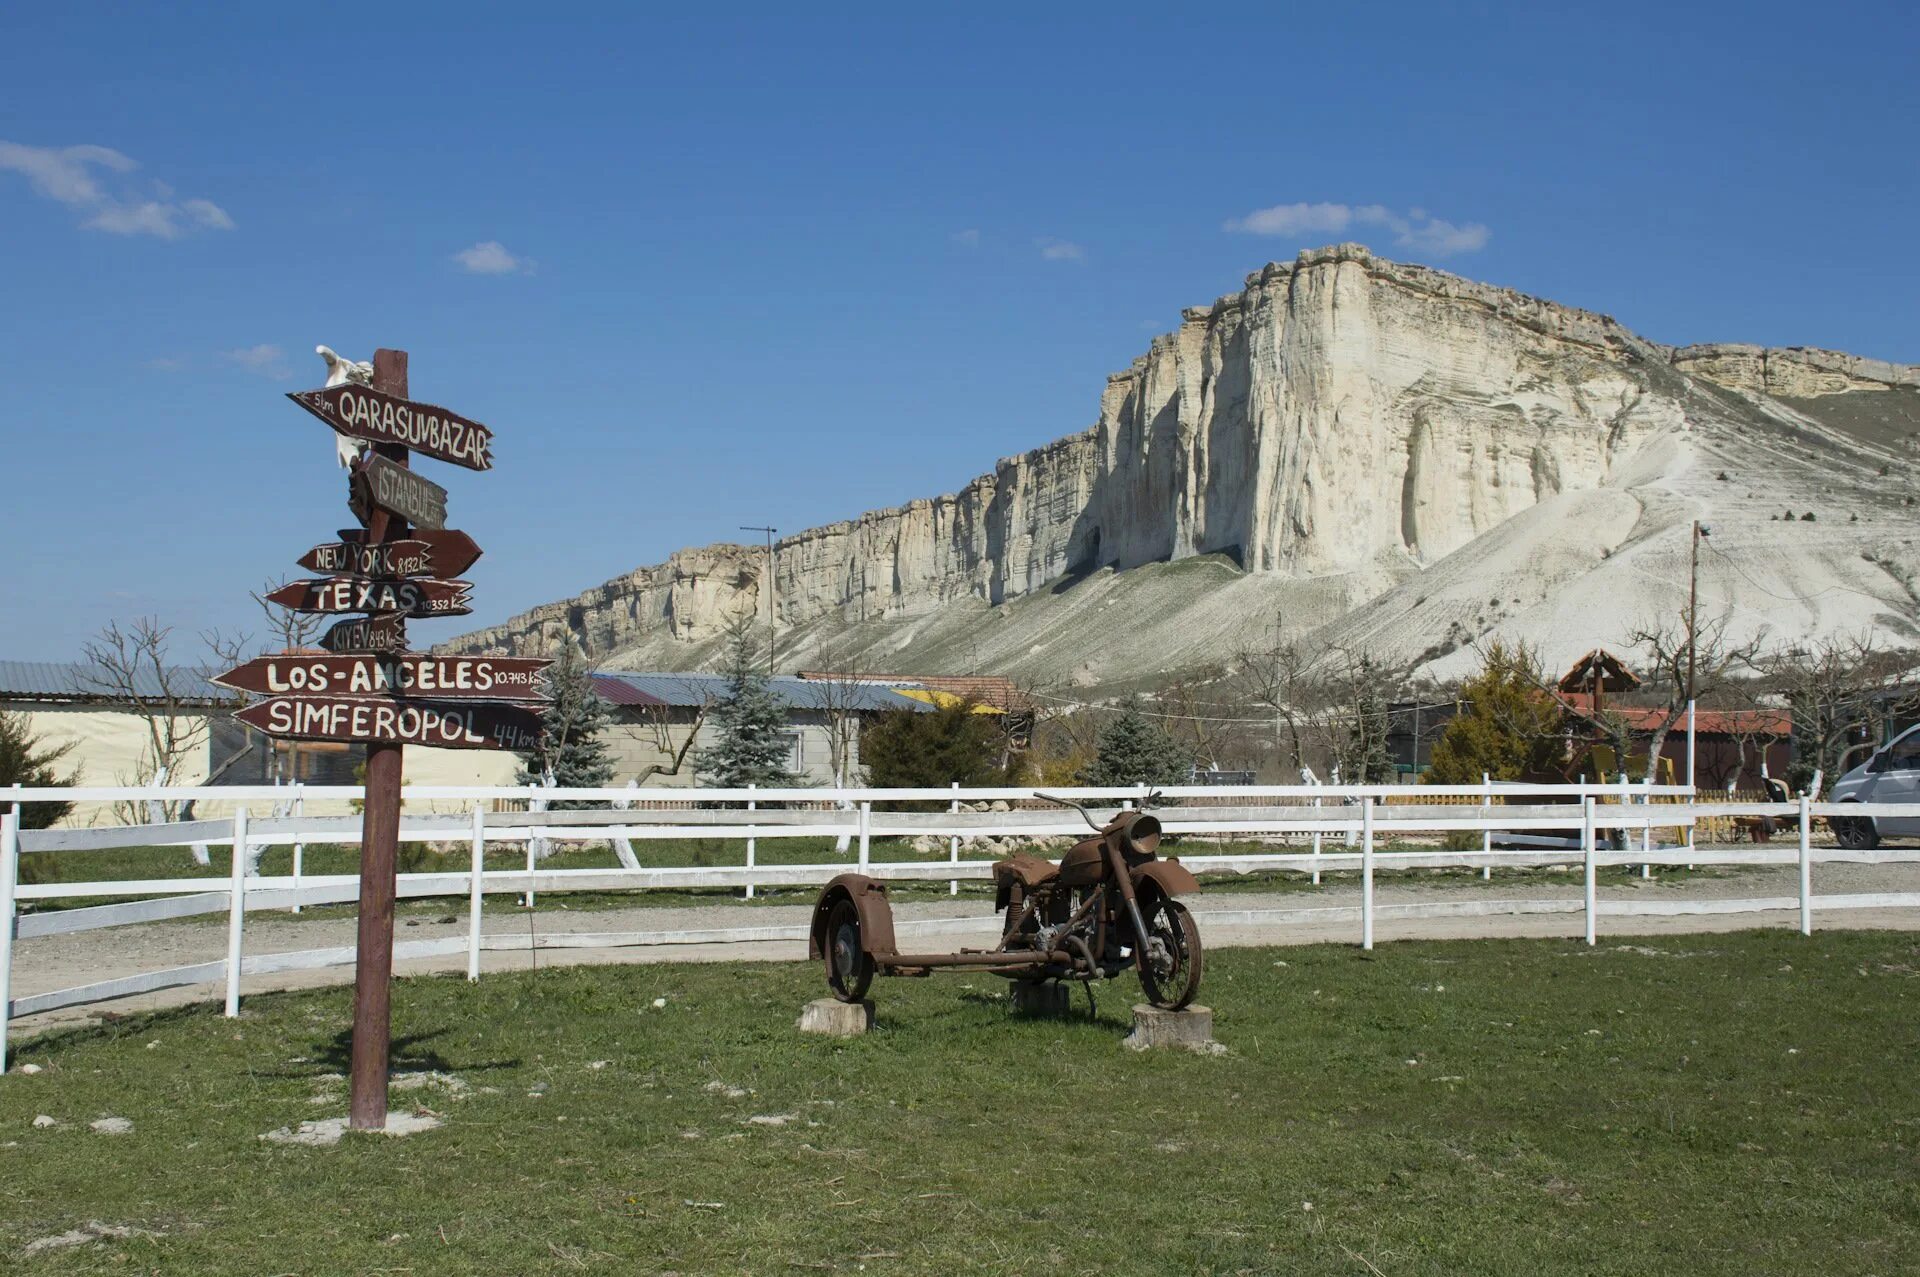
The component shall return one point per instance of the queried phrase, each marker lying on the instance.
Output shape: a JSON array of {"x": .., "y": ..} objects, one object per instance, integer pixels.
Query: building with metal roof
[{"x": 40, "y": 681}]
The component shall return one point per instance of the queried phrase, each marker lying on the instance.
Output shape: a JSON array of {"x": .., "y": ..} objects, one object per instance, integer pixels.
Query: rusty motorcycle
[{"x": 1108, "y": 905}]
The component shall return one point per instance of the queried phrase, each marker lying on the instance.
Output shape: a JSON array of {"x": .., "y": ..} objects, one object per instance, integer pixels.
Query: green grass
[{"x": 1735, "y": 1104}]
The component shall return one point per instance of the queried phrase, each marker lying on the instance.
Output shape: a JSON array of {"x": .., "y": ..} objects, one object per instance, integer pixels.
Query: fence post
[
  {"x": 237, "y": 909},
  {"x": 299, "y": 847},
  {"x": 866, "y": 815},
  {"x": 1806, "y": 865},
  {"x": 475, "y": 880},
  {"x": 1316, "y": 815},
  {"x": 1366, "y": 872},
  {"x": 9, "y": 875},
  {"x": 751, "y": 806},
  {"x": 1586, "y": 847},
  {"x": 953, "y": 843},
  {"x": 1486, "y": 835}
]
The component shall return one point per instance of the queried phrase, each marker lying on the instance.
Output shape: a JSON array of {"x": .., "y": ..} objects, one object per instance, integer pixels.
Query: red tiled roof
[{"x": 1707, "y": 722}]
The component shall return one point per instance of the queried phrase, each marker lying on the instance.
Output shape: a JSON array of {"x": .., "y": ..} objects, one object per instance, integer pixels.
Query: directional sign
[
  {"x": 441, "y": 724},
  {"x": 444, "y": 552},
  {"x": 512, "y": 678},
  {"x": 419, "y": 597},
  {"x": 360, "y": 412},
  {"x": 380, "y": 483},
  {"x": 373, "y": 634}
]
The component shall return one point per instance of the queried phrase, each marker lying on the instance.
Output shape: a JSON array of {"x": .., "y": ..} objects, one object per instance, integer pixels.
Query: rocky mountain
[{"x": 1356, "y": 452}]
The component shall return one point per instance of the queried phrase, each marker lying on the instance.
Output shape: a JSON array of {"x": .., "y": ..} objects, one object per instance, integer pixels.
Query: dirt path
[{"x": 58, "y": 962}]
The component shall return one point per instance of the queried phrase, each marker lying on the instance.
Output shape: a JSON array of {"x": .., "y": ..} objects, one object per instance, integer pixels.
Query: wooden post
[
  {"x": 379, "y": 849},
  {"x": 9, "y": 876},
  {"x": 474, "y": 892},
  {"x": 1586, "y": 846},
  {"x": 1316, "y": 830},
  {"x": 1806, "y": 865},
  {"x": 752, "y": 851},
  {"x": 1366, "y": 872},
  {"x": 866, "y": 815},
  {"x": 236, "y": 910}
]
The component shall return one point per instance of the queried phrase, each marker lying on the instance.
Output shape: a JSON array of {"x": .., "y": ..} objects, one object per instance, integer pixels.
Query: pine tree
[
  {"x": 24, "y": 762},
  {"x": 1508, "y": 728},
  {"x": 913, "y": 749},
  {"x": 750, "y": 727},
  {"x": 1135, "y": 750},
  {"x": 572, "y": 749}
]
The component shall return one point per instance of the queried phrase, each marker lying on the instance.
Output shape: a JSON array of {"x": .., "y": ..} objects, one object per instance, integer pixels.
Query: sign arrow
[
  {"x": 376, "y": 634},
  {"x": 440, "y": 724},
  {"x": 447, "y": 553},
  {"x": 414, "y": 674},
  {"x": 380, "y": 484},
  {"x": 416, "y": 597},
  {"x": 361, "y": 412}
]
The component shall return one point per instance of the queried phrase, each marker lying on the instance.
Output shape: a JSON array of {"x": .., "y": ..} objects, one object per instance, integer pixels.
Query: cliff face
[{"x": 1343, "y": 416}]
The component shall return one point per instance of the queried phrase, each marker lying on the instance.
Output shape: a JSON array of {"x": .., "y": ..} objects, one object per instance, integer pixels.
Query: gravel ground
[{"x": 56, "y": 962}]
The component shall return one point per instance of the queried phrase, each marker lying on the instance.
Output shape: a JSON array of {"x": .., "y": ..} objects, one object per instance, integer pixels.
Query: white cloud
[
  {"x": 77, "y": 177},
  {"x": 969, "y": 238},
  {"x": 491, "y": 257},
  {"x": 1415, "y": 229},
  {"x": 1061, "y": 250},
  {"x": 267, "y": 360}
]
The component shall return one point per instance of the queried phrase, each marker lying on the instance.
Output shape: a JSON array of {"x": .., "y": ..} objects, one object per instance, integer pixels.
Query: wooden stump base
[
  {"x": 835, "y": 1018},
  {"x": 1189, "y": 1030}
]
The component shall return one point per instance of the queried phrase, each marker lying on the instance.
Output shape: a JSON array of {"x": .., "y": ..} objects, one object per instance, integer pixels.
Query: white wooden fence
[{"x": 1341, "y": 828}]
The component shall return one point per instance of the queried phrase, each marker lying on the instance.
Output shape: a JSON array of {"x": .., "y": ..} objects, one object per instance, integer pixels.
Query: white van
[{"x": 1891, "y": 775}]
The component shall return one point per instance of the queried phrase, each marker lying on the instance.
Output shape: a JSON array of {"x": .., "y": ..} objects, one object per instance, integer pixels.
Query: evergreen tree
[
  {"x": 575, "y": 717},
  {"x": 23, "y": 761},
  {"x": 914, "y": 749},
  {"x": 1135, "y": 750},
  {"x": 750, "y": 727},
  {"x": 1508, "y": 728}
]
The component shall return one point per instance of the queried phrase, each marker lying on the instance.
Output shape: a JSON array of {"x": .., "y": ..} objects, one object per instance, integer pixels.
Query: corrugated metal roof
[
  {"x": 700, "y": 689},
  {"x": 61, "y": 681}
]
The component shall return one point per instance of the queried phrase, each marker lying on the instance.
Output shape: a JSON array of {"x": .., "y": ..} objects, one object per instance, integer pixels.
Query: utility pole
[{"x": 746, "y": 527}]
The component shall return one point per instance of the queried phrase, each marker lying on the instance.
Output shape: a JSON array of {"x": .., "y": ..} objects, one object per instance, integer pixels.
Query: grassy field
[{"x": 1743, "y": 1103}]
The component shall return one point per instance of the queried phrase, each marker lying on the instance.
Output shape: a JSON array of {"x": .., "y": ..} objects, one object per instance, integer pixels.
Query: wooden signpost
[
  {"x": 406, "y": 674},
  {"x": 416, "y": 597},
  {"x": 380, "y": 484},
  {"x": 443, "y": 553},
  {"x": 368, "y": 634},
  {"x": 441, "y": 724},
  {"x": 371, "y": 690},
  {"x": 365, "y": 412}
]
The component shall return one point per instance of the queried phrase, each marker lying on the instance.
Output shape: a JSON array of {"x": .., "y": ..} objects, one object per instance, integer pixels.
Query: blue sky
[{"x": 717, "y": 265}]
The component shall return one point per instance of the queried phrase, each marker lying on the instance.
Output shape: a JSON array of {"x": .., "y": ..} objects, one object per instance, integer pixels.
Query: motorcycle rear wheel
[
  {"x": 849, "y": 965},
  {"x": 1171, "y": 976}
]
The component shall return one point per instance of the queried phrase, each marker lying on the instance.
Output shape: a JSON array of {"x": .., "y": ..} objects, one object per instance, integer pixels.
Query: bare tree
[
  {"x": 660, "y": 723},
  {"x": 287, "y": 629},
  {"x": 1835, "y": 690},
  {"x": 1706, "y": 667},
  {"x": 131, "y": 666}
]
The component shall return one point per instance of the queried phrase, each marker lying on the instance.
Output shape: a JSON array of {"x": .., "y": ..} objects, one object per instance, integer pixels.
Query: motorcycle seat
[{"x": 1029, "y": 871}]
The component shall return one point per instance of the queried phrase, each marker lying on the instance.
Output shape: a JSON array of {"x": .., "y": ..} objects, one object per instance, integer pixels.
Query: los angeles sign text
[
  {"x": 454, "y": 725},
  {"x": 511, "y": 678},
  {"x": 360, "y": 412}
]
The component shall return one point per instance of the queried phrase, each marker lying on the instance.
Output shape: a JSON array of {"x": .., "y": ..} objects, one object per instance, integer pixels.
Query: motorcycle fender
[
  {"x": 1168, "y": 877},
  {"x": 876, "y": 915}
]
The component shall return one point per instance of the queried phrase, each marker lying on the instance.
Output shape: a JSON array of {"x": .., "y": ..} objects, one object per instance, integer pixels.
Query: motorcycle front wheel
[{"x": 1170, "y": 960}]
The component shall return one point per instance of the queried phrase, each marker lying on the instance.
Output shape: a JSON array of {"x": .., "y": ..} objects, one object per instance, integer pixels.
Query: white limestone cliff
[{"x": 1344, "y": 422}]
